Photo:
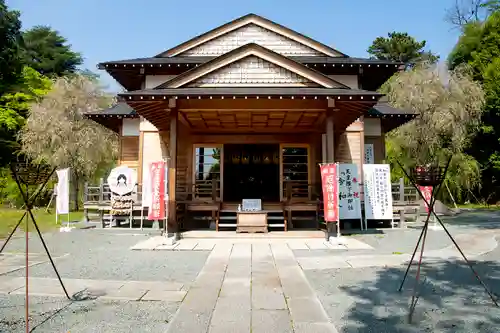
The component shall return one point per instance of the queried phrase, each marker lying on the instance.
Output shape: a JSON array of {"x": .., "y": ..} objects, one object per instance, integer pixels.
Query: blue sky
[{"x": 104, "y": 30}]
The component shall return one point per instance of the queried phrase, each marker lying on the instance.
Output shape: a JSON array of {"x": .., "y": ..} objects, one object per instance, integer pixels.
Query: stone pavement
[
  {"x": 105, "y": 289},
  {"x": 201, "y": 244},
  {"x": 10, "y": 262},
  {"x": 473, "y": 244},
  {"x": 251, "y": 288}
]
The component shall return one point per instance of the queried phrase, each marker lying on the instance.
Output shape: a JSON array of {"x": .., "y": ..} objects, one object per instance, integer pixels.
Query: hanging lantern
[
  {"x": 236, "y": 158},
  {"x": 267, "y": 158},
  {"x": 276, "y": 157},
  {"x": 245, "y": 158},
  {"x": 256, "y": 159}
]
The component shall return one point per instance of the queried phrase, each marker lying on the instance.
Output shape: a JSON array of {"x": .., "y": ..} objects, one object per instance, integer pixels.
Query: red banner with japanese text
[
  {"x": 330, "y": 186},
  {"x": 427, "y": 193},
  {"x": 157, "y": 207}
]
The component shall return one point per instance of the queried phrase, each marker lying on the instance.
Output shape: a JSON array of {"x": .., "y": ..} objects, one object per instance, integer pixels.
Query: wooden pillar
[
  {"x": 362, "y": 149},
  {"x": 140, "y": 166},
  {"x": 172, "y": 172},
  {"x": 330, "y": 139}
]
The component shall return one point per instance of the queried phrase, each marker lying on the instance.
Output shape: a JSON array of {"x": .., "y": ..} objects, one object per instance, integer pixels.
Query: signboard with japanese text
[
  {"x": 329, "y": 184},
  {"x": 369, "y": 154},
  {"x": 251, "y": 205},
  {"x": 427, "y": 193},
  {"x": 157, "y": 209},
  {"x": 349, "y": 196},
  {"x": 377, "y": 192}
]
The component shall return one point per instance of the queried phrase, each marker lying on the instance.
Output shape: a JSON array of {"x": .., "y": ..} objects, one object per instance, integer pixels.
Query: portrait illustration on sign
[{"x": 122, "y": 180}]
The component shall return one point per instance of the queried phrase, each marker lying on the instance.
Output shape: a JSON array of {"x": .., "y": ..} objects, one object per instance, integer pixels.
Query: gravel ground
[
  {"x": 105, "y": 255},
  {"x": 54, "y": 315},
  {"x": 451, "y": 300}
]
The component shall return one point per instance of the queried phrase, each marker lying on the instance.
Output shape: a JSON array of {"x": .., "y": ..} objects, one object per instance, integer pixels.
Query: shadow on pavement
[{"x": 451, "y": 300}]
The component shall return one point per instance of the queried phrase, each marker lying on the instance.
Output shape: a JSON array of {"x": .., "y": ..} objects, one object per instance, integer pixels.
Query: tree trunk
[{"x": 77, "y": 194}]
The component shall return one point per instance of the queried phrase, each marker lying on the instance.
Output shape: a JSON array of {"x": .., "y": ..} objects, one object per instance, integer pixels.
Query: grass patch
[
  {"x": 479, "y": 206},
  {"x": 46, "y": 221}
]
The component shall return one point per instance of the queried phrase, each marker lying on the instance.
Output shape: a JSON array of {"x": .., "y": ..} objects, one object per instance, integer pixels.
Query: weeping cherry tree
[
  {"x": 449, "y": 106},
  {"x": 57, "y": 133}
]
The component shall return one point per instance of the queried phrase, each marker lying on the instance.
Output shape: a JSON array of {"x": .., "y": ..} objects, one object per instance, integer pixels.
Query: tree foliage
[
  {"x": 399, "y": 46},
  {"x": 10, "y": 36},
  {"x": 48, "y": 52},
  {"x": 14, "y": 109},
  {"x": 464, "y": 12},
  {"x": 57, "y": 132},
  {"x": 448, "y": 105},
  {"x": 479, "y": 47}
]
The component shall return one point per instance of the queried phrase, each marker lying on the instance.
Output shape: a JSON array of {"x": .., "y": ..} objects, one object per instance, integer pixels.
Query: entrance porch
[{"x": 222, "y": 149}]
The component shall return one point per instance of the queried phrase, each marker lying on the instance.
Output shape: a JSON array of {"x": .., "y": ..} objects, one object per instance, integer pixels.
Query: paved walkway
[
  {"x": 251, "y": 288},
  {"x": 104, "y": 289}
]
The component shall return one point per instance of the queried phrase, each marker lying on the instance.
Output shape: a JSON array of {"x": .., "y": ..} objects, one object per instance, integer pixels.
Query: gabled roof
[
  {"x": 252, "y": 50},
  {"x": 203, "y": 59},
  {"x": 259, "y": 21}
]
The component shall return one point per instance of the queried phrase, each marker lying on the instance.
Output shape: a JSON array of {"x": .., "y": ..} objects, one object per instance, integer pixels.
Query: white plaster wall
[
  {"x": 372, "y": 127},
  {"x": 130, "y": 127},
  {"x": 349, "y": 80},
  {"x": 146, "y": 126},
  {"x": 154, "y": 149}
]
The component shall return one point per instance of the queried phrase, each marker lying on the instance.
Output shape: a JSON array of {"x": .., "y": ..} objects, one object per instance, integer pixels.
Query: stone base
[
  {"x": 212, "y": 225},
  {"x": 334, "y": 240},
  {"x": 169, "y": 240}
]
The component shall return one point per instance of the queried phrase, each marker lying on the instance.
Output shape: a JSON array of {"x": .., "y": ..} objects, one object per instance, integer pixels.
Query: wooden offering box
[{"x": 251, "y": 221}]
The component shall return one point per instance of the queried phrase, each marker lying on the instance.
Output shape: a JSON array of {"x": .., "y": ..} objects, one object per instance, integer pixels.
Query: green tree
[
  {"x": 10, "y": 36},
  {"x": 399, "y": 46},
  {"x": 48, "y": 52},
  {"x": 479, "y": 47},
  {"x": 14, "y": 109}
]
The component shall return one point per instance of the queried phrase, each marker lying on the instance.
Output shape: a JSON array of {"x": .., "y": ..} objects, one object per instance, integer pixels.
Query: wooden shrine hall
[{"x": 248, "y": 110}]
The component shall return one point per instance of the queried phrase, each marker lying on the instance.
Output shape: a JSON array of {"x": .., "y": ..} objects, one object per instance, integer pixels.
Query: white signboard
[
  {"x": 369, "y": 154},
  {"x": 251, "y": 205},
  {"x": 122, "y": 180},
  {"x": 62, "y": 191},
  {"x": 377, "y": 192},
  {"x": 349, "y": 196}
]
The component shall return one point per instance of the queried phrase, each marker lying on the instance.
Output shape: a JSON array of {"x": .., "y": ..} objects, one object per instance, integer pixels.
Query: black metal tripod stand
[
  {"x": 436, "y": 188},
  {"x": 29, "y": 175}
]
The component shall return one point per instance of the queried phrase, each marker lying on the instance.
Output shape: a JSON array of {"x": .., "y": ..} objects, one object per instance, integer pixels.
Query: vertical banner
[
  {"x": 369, "y": 154},
  {"x": 62, "y": 191},
  {"x": 157, "y": 185},
  {"x": 349, "y": 198},
  {"x": 378, "y": 192},
  {"x": 427, "y": 194},
  {"x": 329, "y": 184}
]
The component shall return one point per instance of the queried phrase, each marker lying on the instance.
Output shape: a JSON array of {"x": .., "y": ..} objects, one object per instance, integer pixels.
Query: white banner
[
  {"x": 369, "y": 154},
  {"x": 377, "y": 192},
  {"x": 349, "y": 198},
  {"x": 62, "y": 191}
]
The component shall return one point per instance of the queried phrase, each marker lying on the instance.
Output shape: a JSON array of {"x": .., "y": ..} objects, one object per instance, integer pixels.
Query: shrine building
[{"x": 249, "y": 110}]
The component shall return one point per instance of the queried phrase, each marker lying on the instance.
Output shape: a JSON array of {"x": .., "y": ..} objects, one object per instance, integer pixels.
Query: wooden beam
[{"x": 172, "y": 226}]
